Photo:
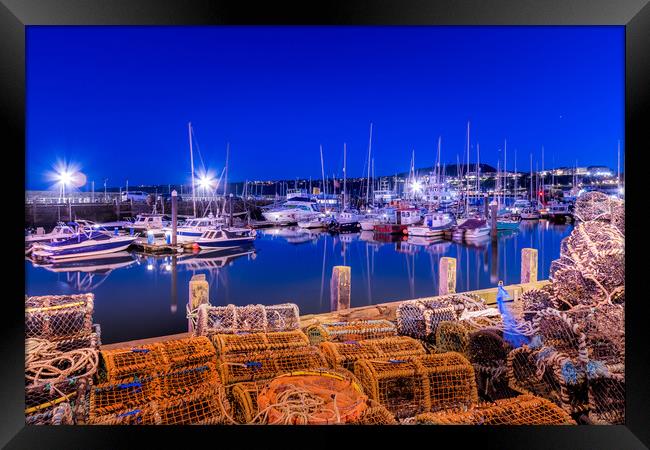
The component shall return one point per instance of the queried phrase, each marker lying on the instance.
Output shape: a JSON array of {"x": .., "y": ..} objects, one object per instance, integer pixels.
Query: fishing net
[
  {"x": 420, "y": 318},
  {"x": 244, "y": 400},
  {"x": 535, "y": 300},
  {"x": 554, "y": 365},
  {"x": 59, "y": 316},
  {"x": 267, "y": 364},
  {"x": 591, "y": 266},
  {"x": 452, "y": 336},
  {"x": 132, "y": 362},
  {"x": 250, "y": 318},
  {"x": 521, "y": 410},
  {"x": 188, "y": 379},
  {"x": 92, "y": 340},
  {"x": 488, "y": 352},
  {"x": 413, "y": 385},
  {"x": 376, "y": 414},
  {"x": 206, "y": 406},
  {"x": 593, "y": 206},
  {"x": 312, "y": 397},
  {"x": 53, "y": 377},
  {"x": 618, "y": 217},
  {"x": 189, "y": 351},
  {"x": 348, "y": 331},
  {"x": 344, "y": 354},
  {"x": 607, "y": 398},
  {"x": 231, "y": 344},
  {"x": 116, "y": 398},
  {"x": 58, "y": 415}
]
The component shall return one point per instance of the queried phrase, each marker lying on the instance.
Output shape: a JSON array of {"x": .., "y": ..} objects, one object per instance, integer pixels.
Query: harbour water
[{"x": 139, "y": 296}]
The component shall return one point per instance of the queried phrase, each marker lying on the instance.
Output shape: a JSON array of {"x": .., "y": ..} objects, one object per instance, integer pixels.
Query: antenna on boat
[{"x": 189, "y": 132}]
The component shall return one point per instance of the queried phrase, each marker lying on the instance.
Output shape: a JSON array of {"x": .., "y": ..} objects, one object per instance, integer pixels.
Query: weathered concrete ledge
[{"x": 370, "y": 312}]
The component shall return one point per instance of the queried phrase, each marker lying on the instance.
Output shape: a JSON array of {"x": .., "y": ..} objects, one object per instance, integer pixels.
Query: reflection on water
[{"x": 139, "y": 296}]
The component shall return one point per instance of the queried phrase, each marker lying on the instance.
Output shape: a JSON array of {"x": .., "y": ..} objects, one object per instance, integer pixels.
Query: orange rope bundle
[{"x": 312, "y": 397}]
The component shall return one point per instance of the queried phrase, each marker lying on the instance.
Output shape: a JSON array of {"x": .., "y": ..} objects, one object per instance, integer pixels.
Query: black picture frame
[{"x": 15, "y": 15}]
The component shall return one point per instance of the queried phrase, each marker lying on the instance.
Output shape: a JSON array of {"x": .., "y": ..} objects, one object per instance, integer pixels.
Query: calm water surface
[{"x": 139, "y": 297}]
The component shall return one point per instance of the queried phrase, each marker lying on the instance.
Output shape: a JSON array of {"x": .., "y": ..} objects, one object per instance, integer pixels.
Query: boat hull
[
  {"x": 423, "y": 232},
  {"x": 87, "y": 250},
  {"x": 225, "y": 243},
  {"x": 388, "y": 228}
]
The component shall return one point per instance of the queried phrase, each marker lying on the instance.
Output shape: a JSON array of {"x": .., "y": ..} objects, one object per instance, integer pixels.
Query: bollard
[
  {"x": 174, "y": 216},
  {"x": 528, "y": 265},
  {"x": 150, "y": 237},
  {"x": 199, "y": 295},
  {"x": 340, "y": 286},
  {"x": 447, "y": 281}
]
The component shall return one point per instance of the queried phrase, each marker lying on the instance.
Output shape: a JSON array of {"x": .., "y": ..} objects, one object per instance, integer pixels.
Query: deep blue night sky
[{"x": 117, "y": 100}]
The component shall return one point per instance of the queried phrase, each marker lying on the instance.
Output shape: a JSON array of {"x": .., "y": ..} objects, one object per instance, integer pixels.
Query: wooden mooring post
[
  {"x": 340, "y": 287},
  {"x": 447, "y": 277},
  {"x": 493, "y": 219},
  {"x": 528, "y": 265},
  {"x": 199, "y": 295},
  {"x": 174, "y": 216}
]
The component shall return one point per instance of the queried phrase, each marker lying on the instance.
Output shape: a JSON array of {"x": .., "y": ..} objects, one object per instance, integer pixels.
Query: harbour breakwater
[{"x": 47, "y": 215}]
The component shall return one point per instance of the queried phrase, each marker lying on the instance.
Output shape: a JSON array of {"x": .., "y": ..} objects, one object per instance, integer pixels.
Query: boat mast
[
  {"x": 618, "y": 169},
  {"x": 344, "y": 177},
  {"x": 225, "y": 183},
  {"x": 322, "y": 171},
  {"x": 531, "y": 178},
  {"x": 516, "y": 177},
  {"x": 505, "y": 170},
  {"x": 189, "y": 131},
  {"x": 368, "y": 180},
  {"x": 543, "y": 177},
  {"x": 467, "y": 176}
]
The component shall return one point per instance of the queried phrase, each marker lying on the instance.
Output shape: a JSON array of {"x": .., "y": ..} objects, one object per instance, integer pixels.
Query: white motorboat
[
  {"x": 471, "y": 229},
  {"x": 194, "y": 228},
  {"x": 434, "y": 225},
  {"x": 291, "y": 211},
  {"x": 225, "y": 238},
  {"x": 146, "y": 222},
  {"x": 320, "y": 221},
  {"x": 60, "y": 232},
  {"x": 83, "y": 243},
  {"x": 559, "y": 212}
]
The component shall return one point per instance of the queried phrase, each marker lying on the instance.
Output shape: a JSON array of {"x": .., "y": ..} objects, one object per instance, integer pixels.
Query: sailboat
[{"x": 347, "y": 220}]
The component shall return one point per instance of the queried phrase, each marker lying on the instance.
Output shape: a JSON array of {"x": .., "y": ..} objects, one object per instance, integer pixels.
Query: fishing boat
[
  {"x": 518, "y": 206},
  {"x": 399, "y": 220},
  {"x": 60, "y": 232},
  {"x": 83, "y": 243},
  {"x": 224, "y": 238},
  {"x": 291, "y": 211},
  {"x": 471, "y": 229},
  {"x": 345, "y": 222},
  {"x": 559, "y": 212}
]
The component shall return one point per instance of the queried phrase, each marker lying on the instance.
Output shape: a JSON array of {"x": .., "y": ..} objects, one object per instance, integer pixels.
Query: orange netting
[
  {"x": 488, "y": 353},
  {"x": 376, "y": 414},
  {"x": 190, "y": 351},
  {"x": 418, "y": 384},
  {"x": 312, "y": 397},
  {"x": 348, "y": 331},
  {"x": 56, "y": 317},
  {"x": 521, "y": 410},
  {"x": 267, "y": 364},
  {"x": 344, "y": 354},
  {"x": 231, "y": 344},
  {"x": 206, "y": 406},
  {"x": 452, "y": 336}
]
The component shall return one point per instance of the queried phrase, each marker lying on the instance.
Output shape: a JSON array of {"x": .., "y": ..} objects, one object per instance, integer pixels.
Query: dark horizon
[{"x": 117, "y": 100}]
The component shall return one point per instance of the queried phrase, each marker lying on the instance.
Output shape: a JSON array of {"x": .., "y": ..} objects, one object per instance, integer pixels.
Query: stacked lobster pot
[
  {"x": 168, "y": 383},
  {"x": 61, "y": 358},
  {"x": 350, "y": 331},
  {"x": 519, "y": 410},
  {"x": 576, "y": 358},
  {"x": 420, "y": 318}
]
